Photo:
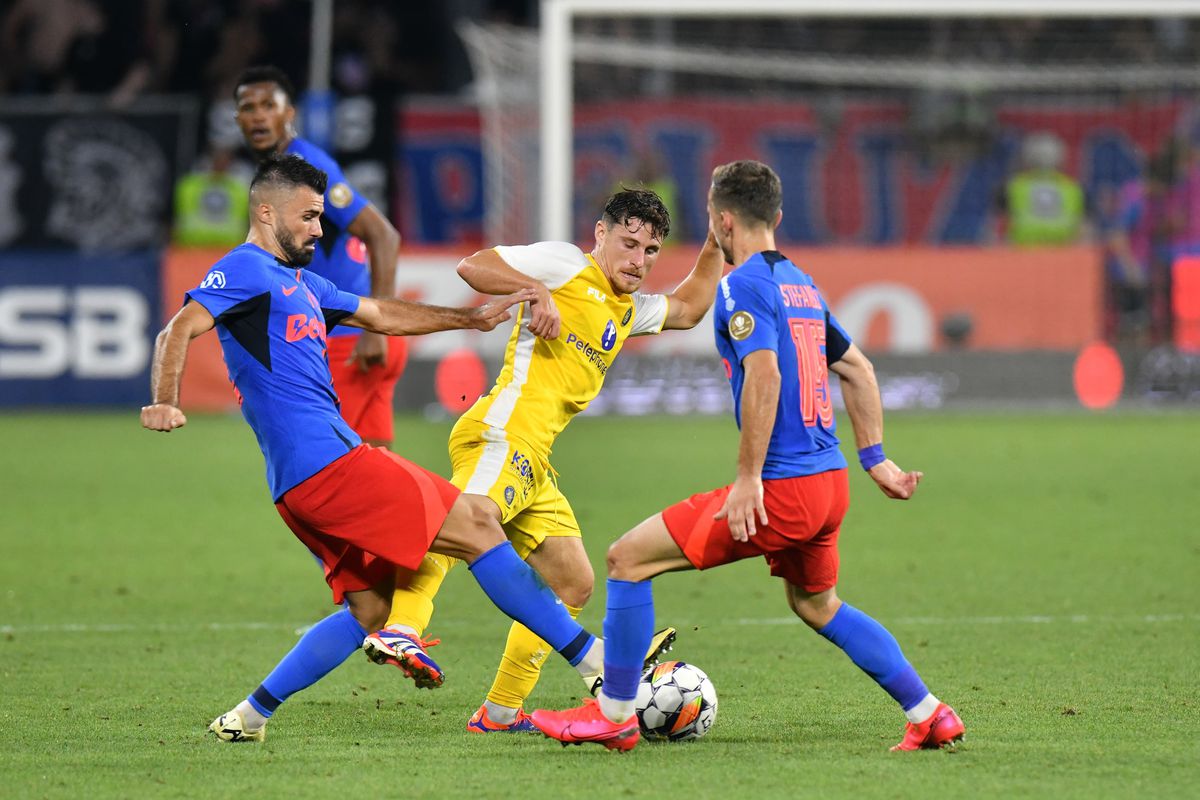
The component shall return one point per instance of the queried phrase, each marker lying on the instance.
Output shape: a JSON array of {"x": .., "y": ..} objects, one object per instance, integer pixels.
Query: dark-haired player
[
  {"x": 778, "y": 341},
  {"x": 362, "y": 511},
  {"x": 357, "y": 253},
  {"x": 585, "y": 306}
]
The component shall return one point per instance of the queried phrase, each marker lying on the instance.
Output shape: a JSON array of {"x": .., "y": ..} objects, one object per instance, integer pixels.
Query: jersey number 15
[{"x": 815, "y": 403}]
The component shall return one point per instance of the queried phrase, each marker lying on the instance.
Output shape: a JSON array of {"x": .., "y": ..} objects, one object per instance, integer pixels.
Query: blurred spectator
[
  {"x": 211, "y": 204},
  {"x": 189, "y": 37},
  {"x": 78, "y": 46},
  {"x": 1044, "y": 205}
]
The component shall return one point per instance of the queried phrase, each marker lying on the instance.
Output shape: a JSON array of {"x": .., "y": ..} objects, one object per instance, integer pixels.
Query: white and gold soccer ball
[{"x": 676, "y": 701}]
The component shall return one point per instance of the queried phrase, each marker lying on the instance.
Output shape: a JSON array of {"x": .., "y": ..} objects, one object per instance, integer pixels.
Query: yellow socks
[
  {"x": 524, "y": 654},
  {"x": 412, "y": 603}
]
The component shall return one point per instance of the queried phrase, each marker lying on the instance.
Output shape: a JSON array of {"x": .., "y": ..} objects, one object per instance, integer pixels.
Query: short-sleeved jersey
[
  {"x": 341, "y": 258},
  {"x": 770, "y": 304},
  {"x": 271, "y": 318},
  {"x": 544, "y": 384}
]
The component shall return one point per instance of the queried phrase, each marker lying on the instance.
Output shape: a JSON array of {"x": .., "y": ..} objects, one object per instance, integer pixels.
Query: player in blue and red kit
[
  {"x": 778, "y": 342},
  {"x": 362, "y": 511},
  {"x": 356, "y": 253}
]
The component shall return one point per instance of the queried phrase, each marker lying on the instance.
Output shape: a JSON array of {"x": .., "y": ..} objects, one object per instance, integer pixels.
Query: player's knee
[
  {"x": 369, "y": 610},
  {"x": 468, "y": 532},
  {"x": 624, "y": 564},
  {"x": 577, "y": 591},
  {"x": 815, "y": 610}
]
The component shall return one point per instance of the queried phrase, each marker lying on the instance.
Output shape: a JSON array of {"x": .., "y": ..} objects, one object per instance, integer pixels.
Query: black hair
[
  {"x": 750, "y": 189},
  {"x": 280, "y": 171},
  {"x": 641, "y": 204},
  {"x": 266, "y": 74}
]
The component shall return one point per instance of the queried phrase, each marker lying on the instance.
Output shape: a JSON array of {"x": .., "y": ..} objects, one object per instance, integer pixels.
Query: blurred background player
[
  {"x": 585, "y": 306},
  {"x": 363, "y": 511},
  {"x": 357, "y": 253},
  {"x": 778, "y": 341}
]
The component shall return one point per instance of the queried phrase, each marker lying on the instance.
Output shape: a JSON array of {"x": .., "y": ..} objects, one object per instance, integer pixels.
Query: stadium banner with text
[
  {"x": 76, "y": 175},
  {"x": 76, "y": 329},
  {"x": 892, "y": 301},
  {"x": 854, "y": 178}
]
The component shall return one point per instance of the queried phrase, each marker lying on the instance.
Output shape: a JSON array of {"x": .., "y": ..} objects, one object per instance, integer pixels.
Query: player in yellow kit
[{"x": 563, "y": 344}]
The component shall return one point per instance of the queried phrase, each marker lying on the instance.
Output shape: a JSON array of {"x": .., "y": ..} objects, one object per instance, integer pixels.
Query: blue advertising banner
[{"x": 77, "y": 329}]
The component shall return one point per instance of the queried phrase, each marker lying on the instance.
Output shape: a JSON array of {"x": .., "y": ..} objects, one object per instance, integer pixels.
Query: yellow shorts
[{"x": 487, "y": 461}]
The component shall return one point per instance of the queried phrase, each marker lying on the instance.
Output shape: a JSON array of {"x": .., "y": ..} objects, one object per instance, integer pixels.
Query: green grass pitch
[{"x": 1045, "y": 581}]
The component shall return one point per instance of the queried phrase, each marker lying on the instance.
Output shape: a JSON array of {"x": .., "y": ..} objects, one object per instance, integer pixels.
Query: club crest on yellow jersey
[{"x": 609, "y": 337}]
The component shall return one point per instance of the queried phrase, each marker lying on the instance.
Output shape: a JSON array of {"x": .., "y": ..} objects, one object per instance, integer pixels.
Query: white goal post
[{"x": 558, "y": 17}]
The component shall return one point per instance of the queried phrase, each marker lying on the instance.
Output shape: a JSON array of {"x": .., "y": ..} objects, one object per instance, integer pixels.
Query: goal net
[
  {"x": 876, "y": 115},
  {"x": 899, "y": 132}
]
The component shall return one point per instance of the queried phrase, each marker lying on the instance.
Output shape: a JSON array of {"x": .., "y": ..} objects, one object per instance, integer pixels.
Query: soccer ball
[{"x": 676, "y": 701}]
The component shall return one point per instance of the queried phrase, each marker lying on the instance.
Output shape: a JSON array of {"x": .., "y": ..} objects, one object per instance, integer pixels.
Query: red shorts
[
  {"x": 366, "y": 513},
  {"x": 799, "y": 541},
  {"x": 366, "y": 397}
]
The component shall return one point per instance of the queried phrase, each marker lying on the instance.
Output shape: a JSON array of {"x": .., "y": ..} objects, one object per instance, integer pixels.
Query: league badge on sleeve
[
  {"x": 741, "y": 325},
  {"x": 509, "y": 494},
  {"x": 340, "y": 195}
]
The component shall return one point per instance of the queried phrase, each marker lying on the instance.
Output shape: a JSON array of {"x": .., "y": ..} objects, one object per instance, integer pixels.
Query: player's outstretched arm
[
  {"x": 487, "y": 273},
  {"x": 692, "y": 298},
  {"x": 860, "y": 391},
  {"x": 383, "y": 243},
  {"x": 403, "y": 318},
  {"x": 166, "y": 369}
]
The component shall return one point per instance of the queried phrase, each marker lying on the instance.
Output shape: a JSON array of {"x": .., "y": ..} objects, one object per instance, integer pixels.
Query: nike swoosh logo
[
  {"x": 621, "y": 733},
  {"x": 288, "y": 292}
]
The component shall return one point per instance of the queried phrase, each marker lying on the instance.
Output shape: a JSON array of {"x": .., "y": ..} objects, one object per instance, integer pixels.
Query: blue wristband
[{"x": 871, "y": 456}]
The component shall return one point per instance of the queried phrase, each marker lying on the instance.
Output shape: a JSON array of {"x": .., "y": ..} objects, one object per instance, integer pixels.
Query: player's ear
[
  {"x": 726, "y": 222},
  {"x": 778, "y": 219},
  {"x": 601, "y": 231},
  {"x": 265, "y": 213}
]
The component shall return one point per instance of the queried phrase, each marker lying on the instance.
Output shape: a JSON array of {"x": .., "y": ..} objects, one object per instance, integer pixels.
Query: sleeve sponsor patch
[
  {"x": 741, "y": 325},
  {"x": 340, "y": 195}
]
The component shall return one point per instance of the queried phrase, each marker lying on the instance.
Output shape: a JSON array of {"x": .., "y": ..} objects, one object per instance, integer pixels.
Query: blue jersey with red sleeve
[
  {"x": 768, "y": 303},
  {"x": 341, "y": 257},
  {"x": 272, "y": 319}
]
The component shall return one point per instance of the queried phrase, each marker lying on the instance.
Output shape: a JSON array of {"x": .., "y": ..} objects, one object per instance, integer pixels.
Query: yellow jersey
[{"x": 545, "y": 383}]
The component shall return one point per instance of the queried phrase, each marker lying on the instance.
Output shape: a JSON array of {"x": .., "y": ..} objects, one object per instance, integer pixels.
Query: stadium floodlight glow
[{"x": 558, "y": 16}]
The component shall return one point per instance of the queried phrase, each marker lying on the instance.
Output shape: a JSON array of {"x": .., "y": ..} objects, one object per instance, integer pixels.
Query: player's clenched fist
[
  {"x": 162, "y": 417},
  {"x": 895, "y": 482}
]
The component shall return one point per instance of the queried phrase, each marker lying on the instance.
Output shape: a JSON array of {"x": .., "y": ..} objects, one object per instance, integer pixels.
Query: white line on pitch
[
  {"x": 147, "y": 627},
  {"x": 1032, "y": 619}
]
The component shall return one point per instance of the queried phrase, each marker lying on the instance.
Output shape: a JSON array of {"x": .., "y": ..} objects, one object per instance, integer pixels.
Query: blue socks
[
  {"x": 628, "y": 627},
  {"x": 520, "y": 592},
  {"x": 323, "y": 647},
  {"x": 875, "y": 652}
]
